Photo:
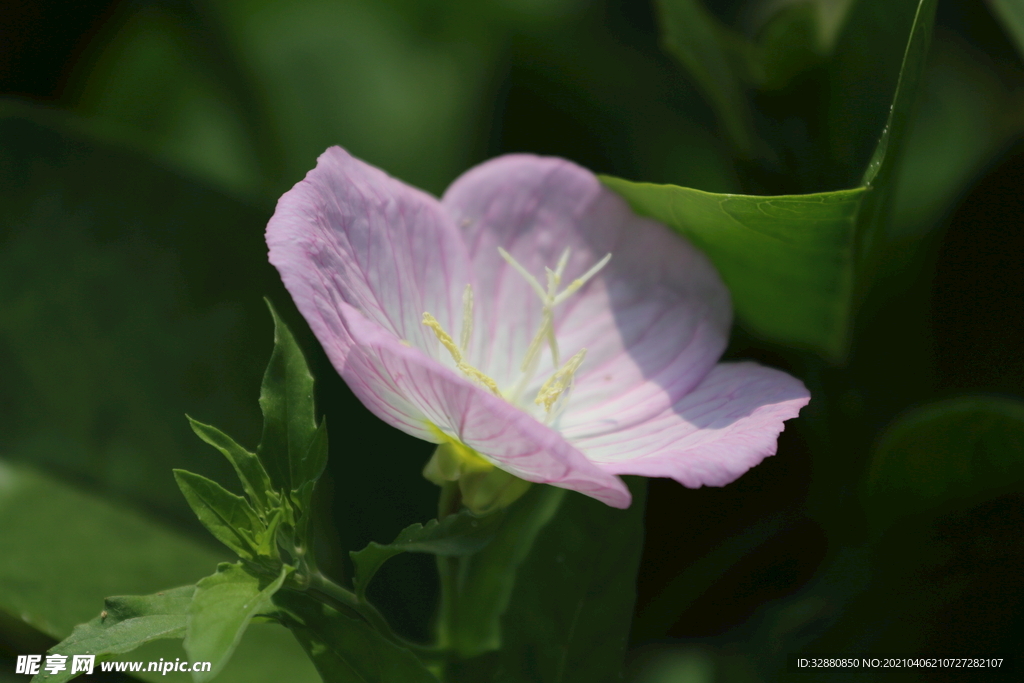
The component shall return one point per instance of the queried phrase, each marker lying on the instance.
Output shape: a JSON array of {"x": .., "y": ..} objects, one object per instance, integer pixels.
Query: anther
[
  {"x": 559, "y": 382},
  {"x": 443, "y": 337}
]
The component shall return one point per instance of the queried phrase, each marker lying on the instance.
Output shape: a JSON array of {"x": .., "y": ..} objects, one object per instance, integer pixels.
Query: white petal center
[{"x": 554, "y": 393}]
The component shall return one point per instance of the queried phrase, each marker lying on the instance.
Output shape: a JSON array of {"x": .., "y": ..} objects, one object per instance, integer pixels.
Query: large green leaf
[
  {"x": 221, "y": 609},
  {"x": 482, "y": 584},
  {"x": 788, "y": 261},
  {"x": 792, "y": 262},
  {"x": 570, "y": 611},
  {"x": 954, "y": 452},
  {"x": 347, "y": 650},
  {"x": 460, "y": 534},
  {"x": 63, "y": 551},
  {"x": 126, "y": 623}
]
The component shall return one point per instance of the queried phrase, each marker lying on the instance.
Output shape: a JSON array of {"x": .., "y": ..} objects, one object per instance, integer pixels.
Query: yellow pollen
[
  {"x": 443, "y": 337},
  {"x": 449, "y": 343},
  {"x": 553, "y": 393},
  {"x": 552, "y": 389}
]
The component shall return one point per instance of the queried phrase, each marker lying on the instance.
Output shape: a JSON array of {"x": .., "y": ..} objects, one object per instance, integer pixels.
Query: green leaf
[
  {"x": 791, "y": 43},
  {"x": 966, "y": 116},
  {"x": 63, "y": 550},
  {"x": 460, "y": 534},
  {"x": 221, "y": 610},
  {"x": 703, "y": 46},
  {"x": 882, "y": 172},
  {"x": 955, "y": 452},
  {"x": 289, "y": 421},
  {"x": 569, "y": 617},
  {"x": 126, "y": 622},
  {"x": 347, "y": 650},
  {"x": 787, "y": 260},
  {"x": 470, "y": 620},
  {"x": 313, "y": 465},
  {"x": 863, "y": 74},
  {"x": 795, "y": 264},
  {"x": 228, "y": 517},
  {"x": 1011, "y": 13},
  {"x": 662, "y": 611},
  {"x": 254, "y": 478}
]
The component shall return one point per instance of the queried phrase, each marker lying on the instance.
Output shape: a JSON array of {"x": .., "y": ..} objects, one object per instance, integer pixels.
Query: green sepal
[
  {"x": 223, "y": 606},
  {"x": 126, "y": 623},
  {"x": 227, "y": 516},
  {"x": 289, "y": 421},
  {"x": 460, "y": 534},
  {"x": 254, "y": 478},
  {"x": 347, "y": 650}
]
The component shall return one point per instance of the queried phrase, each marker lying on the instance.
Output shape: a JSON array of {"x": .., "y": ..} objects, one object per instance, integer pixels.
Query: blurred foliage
[{"x": 132, "y": 264}]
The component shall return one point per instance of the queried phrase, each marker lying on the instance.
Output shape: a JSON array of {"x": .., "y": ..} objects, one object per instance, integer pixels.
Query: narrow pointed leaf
[
  {"x": 227, "y": 516},
  {"x": 460, "y": 534},
  {"x": 1011, "y": 13},
  {"x": 346, "y": 650},
  {"x": 251, "y": 473},
  {"x": 221, "y": 610},
  {"x": 699, "y": 42},
  {"x": 313, "y": 463},
  {"x": 289, "y": 422},
  {"x": 883, "y": 169},
  {"x": 126, "y": 622}
]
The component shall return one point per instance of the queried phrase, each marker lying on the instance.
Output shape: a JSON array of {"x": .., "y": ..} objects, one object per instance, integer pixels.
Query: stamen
[
  {"x": 467, "y": 318},
  {"x": 582, "y": 280},
  {"x": 557, "y": 384},
  {"x": 473, "y": 373},
  {"x": 449, "y": 343},
  {"x": 525, "y": 273},
  {"x": 563, "y": 261},
  {"x": 443, "y": 337}
]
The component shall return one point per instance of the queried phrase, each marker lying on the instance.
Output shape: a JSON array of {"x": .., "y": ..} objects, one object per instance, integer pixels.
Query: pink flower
[{"x": 494, "y": 319}]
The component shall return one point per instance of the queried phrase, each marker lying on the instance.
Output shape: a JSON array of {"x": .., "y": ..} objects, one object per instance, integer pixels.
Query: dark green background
[{"x": 781, "y": 551}]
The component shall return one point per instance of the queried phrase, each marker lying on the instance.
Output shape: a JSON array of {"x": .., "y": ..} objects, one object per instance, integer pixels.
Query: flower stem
[{"x": 447, "y": 567}]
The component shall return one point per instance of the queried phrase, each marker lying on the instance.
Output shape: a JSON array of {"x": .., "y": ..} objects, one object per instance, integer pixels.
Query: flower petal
[
  {"x": 654, "y": 321},
  {"x": 378, "y": 365},
  {"x": 350, "y": 233},
  {"x": 728, "y": 424}
]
